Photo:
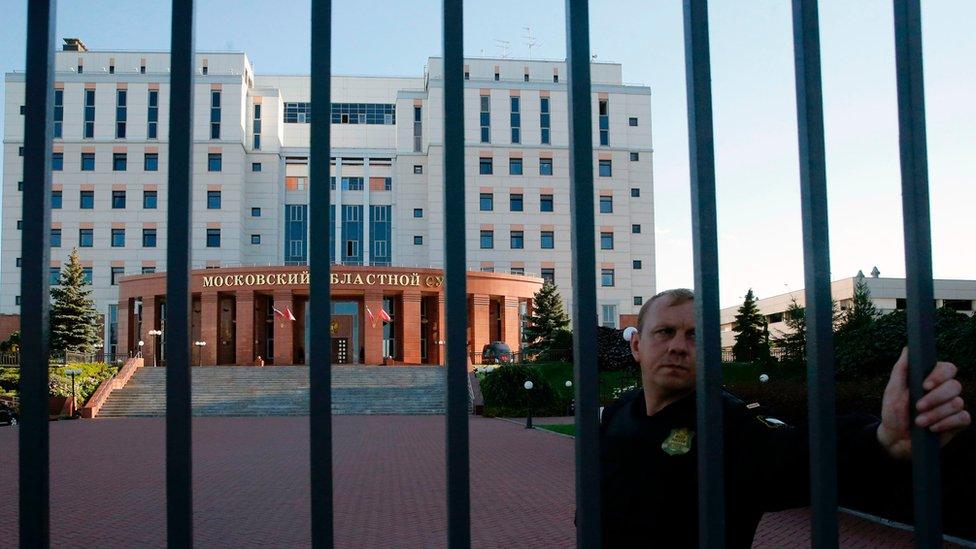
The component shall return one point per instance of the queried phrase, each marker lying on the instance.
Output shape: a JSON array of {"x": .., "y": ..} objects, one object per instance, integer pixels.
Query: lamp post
[
  {"x": 155, "y": 334},
  {"x": 528, "y": 403},
  {"x": 141, "y": 343},
  {"x": 72, "y": 372},
  {"x": 200, "y": 345},
  {"x": 98, "y": 349},
  {"x": 570, "y": 407}
]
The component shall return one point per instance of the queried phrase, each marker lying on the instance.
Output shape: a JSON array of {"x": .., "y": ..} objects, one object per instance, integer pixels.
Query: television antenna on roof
[
  {"x": 530, "y": 41},
  {"x": 505, "y": 46}
]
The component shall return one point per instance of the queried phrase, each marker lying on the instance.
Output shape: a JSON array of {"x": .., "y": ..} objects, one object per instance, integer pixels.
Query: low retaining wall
[{"x": 98, "y": 398}]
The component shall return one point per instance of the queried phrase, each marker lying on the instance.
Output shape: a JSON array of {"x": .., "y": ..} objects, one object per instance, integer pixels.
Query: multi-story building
[{"x": 251, "y": 156}]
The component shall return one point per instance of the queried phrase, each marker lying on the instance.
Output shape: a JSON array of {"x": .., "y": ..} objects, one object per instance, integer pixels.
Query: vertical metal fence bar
[
  {"x": 320, "y": 297},
  {"x": 711, "y": 464},
  {"x": 36, "y": 253},
  {"x": 455, "y": 258},
  {"x": 582, "y": 223},
  {"x": 816, "y": 267},
  {"x": 179, "y": 458},
  {"x": 918, "y": 263}
]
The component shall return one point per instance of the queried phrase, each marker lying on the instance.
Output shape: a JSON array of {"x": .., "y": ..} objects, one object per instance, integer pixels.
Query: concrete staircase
[{"x": 283, "y": 391}]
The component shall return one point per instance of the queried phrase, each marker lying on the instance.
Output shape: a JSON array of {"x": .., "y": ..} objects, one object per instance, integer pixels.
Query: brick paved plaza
[{"x": 250, "y": 486}]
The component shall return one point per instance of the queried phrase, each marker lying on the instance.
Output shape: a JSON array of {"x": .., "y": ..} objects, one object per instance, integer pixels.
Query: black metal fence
[{"x": 34, "y": 445}]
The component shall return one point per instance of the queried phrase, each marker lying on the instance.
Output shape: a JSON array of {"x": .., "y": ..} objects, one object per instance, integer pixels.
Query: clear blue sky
[{"x": 754, "y": 102}]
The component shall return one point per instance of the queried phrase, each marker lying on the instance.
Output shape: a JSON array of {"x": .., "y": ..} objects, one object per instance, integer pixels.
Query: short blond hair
[{"x": 676, "y": 296}]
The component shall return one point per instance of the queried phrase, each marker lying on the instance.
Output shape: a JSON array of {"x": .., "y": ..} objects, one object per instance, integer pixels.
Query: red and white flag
[
  {"x": 385, "y": 316},
  {"x": 288, "y": 314},
  {"x": 372, "y": 319},
  {"x": 277, "y": 312}
]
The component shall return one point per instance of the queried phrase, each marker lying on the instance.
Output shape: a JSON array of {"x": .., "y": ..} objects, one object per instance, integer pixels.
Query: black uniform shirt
[{"x": 649, "y": 470}]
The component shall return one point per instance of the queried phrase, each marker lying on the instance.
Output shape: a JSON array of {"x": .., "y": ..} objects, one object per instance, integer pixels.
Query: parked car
[
  {"x": 497, "y": 352},
  {"x": 8, "y": 413}
]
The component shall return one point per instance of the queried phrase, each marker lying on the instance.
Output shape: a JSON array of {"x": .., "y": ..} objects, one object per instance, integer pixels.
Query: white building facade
[{"x": 251, "y": 149}]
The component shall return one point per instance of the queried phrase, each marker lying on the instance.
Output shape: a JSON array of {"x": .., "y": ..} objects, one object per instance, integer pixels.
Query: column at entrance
[
  {"x": 510, "y": 323},
  {"x": 410, "y": 320},
  {"x": 245, "y": 327},
  {"x": 435, "y": 343},
  {"x": 284, "y": 333},
  {"x": 208, "y": 327},
  {"x": 148, "y": 323},
  {"x": 124, "y": 334},
  {"x": 373, "y": 338},
  {"x": 481, "y": 324}
]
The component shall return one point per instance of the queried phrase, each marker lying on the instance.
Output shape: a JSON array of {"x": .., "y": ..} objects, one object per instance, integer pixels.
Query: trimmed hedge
[
  {"x": 505, "y": 395},
  {"x": 59, "y": 384}
]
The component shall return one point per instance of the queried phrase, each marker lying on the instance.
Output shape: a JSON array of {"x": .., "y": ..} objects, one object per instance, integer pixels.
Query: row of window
[
  {"x": 121, "y": 113},
  {"x": 150, "y": 200},
  {"x": 150, "y": 162},
  {"x": 486, "y": 166},
  {"x": 515, "y": 119},
  {"x": 547, "y": 240},
  {"x": 343, "y": 113},
  {"x": 86, "y": 238},
  {"x": 516, "y": 203}
]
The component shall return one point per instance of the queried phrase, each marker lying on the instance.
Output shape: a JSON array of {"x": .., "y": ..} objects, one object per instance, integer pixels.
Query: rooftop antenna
[
  {"x": 505, "y": 46},
  {"x": 530, "y": 41}
]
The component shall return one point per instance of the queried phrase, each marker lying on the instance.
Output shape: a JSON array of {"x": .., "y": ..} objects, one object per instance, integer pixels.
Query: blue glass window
[
  {"x": 487, "y": 240},
  {"x": 545, "y": 166},
  {"x": 149, "y": 238},
  {"x": 213, "y": 200},
  {"x": 487, "y": 202},
  {"x": 213, "y": 238},
  {"x": 606, "y": 204},
  {"x": 545, "y": 202},
  {"x": 606, "y": 168},
  {"x": 515, "y": 166},
  {"x": 118, "y": 200},
  {"x": 214, "y": 162},
  {"x": 87, "y": 162},
  {"x": 517, "y": 240},
  {"x": 87, "y": 200},
  {"x": 118, "y": 238},
  {"x": 149, "y": 200},
  {"x": 86, "y": 238},
  {"x": 150, "y": 162},
  {"x": 547, "y": 240},
  {"x": 515, "y": 202}
]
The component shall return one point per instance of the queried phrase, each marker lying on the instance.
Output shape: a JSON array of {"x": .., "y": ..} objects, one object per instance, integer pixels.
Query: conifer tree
[
  {"x": 547, "y": 320},
  {"x": 862, "y": 312},
  {"x": 751, "y": 332},
  {"x": 74, "y": 320}
]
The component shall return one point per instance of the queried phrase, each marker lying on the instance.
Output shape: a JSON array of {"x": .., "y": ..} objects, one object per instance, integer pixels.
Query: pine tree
[
  {"x": 862, "y": 312},
  {"x": 751, "y": 332},
  {"x": 794, "y": 342},
  {"x": 74, "y": 320},
  {"x": 548, "y": 319}
]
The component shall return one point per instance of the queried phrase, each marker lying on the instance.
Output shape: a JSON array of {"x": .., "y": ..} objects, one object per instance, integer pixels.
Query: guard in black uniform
[{"x": 649, "y": 473}]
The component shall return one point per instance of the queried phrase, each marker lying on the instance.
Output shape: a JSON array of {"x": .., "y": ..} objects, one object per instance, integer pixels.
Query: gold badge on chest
[{"x": 678, "y": 442}]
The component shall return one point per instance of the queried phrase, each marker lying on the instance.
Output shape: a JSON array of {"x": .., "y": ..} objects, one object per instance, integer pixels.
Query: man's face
[{"x": 665, "y": 348}]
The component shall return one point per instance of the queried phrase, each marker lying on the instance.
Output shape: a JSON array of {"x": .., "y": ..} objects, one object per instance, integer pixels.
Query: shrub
[
  {"x": 92, "y": 374},
  {"x": 505, "y": 395},
  {"x": 613, "y": 352}
]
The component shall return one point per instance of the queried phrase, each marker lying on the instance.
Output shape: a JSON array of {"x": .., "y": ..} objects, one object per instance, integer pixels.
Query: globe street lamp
[
  {"x": 155, "y": 334},
  {"x": 72, "y": 372},
  {"x": 528, "y": 403},
  {"x": 141, "y": 343},
  {"x": 201, "y": 345},
  {"x": 569, "y": 406}
]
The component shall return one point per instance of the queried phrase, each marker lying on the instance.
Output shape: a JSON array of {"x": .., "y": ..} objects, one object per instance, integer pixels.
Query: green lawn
[{"x": 565, "y": 429}]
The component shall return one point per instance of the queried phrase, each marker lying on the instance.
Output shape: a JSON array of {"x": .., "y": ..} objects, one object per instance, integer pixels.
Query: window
[
  {"x": 606, "y": 204},
  {"x": 515, "y": 202},
  {"x": 487, "y": 240},
  {"x": 547, "y": 240},
  {"x": 418, "y": 129},
  {"x": 215, "y": 114},
  {"x": 387, "y": 183},
  {"x": 486, "y": 117},
  {"x": 638, "y": 300},
  {"x": 255, "y": 212},
  {"x": 55, "y": 238},
  {"x": 545, "y": 166},
  {"x": 609, "y": 316},
  {"x": 20, "y": 185},
  {"x": 255, "y": 239},
  {"x": 142, "y": 69},
  {"x": 467, "y": 75},
  {"x": 87, "y": 200},
  {"x": 635, "y": 228},
  {"x": 257, "y": 131},
  {"x": 153, "y": 114},
  {"x": 57, "y": 162},
  {"x": 517, "y": 240},
  {"x": 87, "y": 274},
  {"x": 119, "y": 162},
  {"x": 20, "y": 224},
  {"x": 634, "y": 157},
  {"x": 255, "y": 166},
  {"x": 203, "y": 70},
  {"x": 485, "y": 166},
  {"x": 85, "y": 238},
  {"x": 297, "y": 113},
  {"x": 606, "y": 168},
  {"x": 214, "y": 162},
  {"x": 150, "y": 162},
  {"x": 606, "y": 241},
  {"x": 23, "y": 110},
  {"x": 58, "y": 112},
  {"x": 149, "y": 238},
  {"x": 111, "y": 69},
  {"x": 638, "y": 264},
  {"x": 418, "y": 240},
  {"x": 55, "y": 200},
  {"x": 148, "y": 270},
  {"x": 121, "y": 113},
  {"x": 497, "y": 76},
  {"x": 525, "y": 77},
  {"x": 118, "y": 238},
  {"x": 515, "y": 166},
  {"x": 213, "y": 200},
  {"x": 20, "y": 151},
  {"x": 604, "y": 123},
  {"x": 149, "y": 200},
  {"x": 17, "y": 300},
  {"x": 555, "y": 79},
  {"x": 606, "y": 277},
  {"x": 213, "y": 238},
  {"x": 487, "y": 269},
  {"x": 487, "y": 202},
  {"x": 516, "y": 119},
  {"x": 549, "y": 275},
  {"x": 633, "y": 121},
  {"x": 418, "y": 169},
  {"x": 87, "y": 162},
  {"x": 54, "y": 276},
  {"x": 18, "y": 262},
  {"x": 635, "y": 192},
  {"x": 352, "y": 183},
  {"x": 89, "y": 126},
  {"x": 418, "y": 212},
  {"x": 118, "y": 200},
  {"x": 544, "y": 119},
  {"x": 117, "y": 272},
  {"x": 545, "y": 202}
]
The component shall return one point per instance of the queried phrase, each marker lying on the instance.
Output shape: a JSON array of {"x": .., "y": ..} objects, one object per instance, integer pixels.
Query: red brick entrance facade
[{"x": 240, "y": 314}]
